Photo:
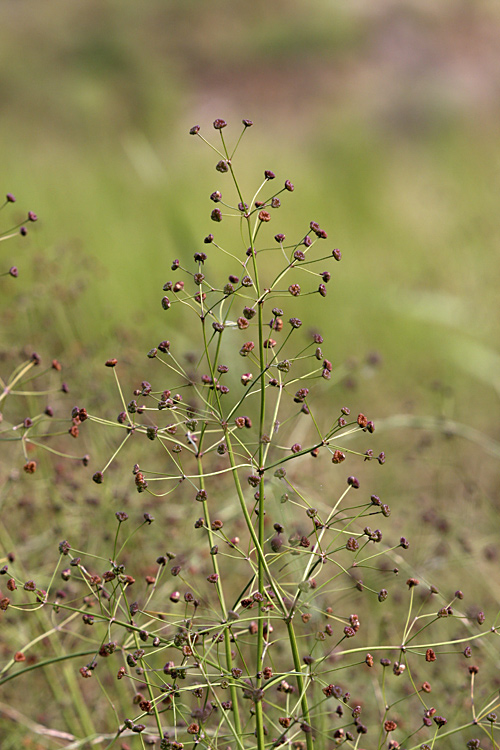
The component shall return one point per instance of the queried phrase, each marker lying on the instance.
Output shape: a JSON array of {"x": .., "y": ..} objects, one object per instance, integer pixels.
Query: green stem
[
  {"x": 220, "y": 593},
  {"x": 300, "y": 681}
]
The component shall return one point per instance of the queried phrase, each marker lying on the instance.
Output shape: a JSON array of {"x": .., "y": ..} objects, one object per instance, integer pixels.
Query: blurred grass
[{"x": 388, "y": 135}]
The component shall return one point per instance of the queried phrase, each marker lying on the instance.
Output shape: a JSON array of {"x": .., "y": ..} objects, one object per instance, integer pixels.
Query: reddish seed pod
[{"x": 276, "y": 543}]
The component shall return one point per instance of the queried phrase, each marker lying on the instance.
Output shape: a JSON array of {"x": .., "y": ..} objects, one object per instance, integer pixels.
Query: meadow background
[{"x": 385, "y": 117}]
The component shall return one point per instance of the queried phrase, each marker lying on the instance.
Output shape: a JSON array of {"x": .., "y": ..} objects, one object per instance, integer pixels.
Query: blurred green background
[{"x": 385, "y": 117}]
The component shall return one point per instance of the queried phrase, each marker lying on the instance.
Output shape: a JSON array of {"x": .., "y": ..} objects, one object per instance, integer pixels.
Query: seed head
[
  {"x": 301, "y": 395},
  {"x": 247, "y": 348}
]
